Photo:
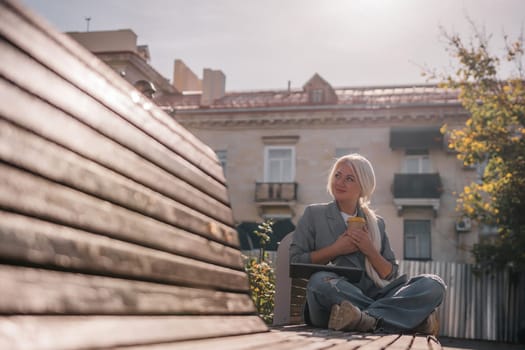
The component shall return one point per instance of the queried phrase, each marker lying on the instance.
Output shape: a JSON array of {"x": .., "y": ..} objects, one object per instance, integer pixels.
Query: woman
[{"x": 379, "y": 301}]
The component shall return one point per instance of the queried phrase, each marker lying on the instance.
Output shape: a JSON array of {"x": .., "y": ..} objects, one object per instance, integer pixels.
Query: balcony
[
  {"x": 276, "y": 198},
  {"x": 417, "y": 190},
  {"x": 275, "y": 191}
]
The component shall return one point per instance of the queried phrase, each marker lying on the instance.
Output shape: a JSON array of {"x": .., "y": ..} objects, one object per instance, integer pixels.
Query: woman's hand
[
  {"x": 344, "y": 244},
  {"x": 361, "y": 239}
]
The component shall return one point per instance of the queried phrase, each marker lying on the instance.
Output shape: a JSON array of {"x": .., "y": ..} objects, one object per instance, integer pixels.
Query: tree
[{"x": 493, "y": 137}]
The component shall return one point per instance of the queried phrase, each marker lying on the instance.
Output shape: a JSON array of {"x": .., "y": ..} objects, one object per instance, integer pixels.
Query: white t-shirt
[{"x": 346, "y": 216}]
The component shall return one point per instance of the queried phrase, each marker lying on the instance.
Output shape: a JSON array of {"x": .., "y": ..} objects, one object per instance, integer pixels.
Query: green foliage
[
  {"x": 261, "y": 275},
  {"x": 262, "y": 287},
  {"x": 494, "y": 135},
  {"x": 264, "y": 231}
]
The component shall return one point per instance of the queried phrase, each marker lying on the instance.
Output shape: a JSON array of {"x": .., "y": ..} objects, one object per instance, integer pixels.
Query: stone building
[
  {"x": 277, "y": 147},
  {"x": 119, "y": 50}
]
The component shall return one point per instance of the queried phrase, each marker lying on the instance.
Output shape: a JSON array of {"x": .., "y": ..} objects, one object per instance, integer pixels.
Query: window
[
  {"x": 417, "y": 162},
  {"x": 277, "y": 216},
  {"x": 317, "y": 96},
  {"x": 339, "y": 152},
  {"x": 488, "y": 230},
  {"x": 279, "y": 164},
  {"x": 222, "y": 155},
  {"x": 417, "y": 239},
  {"x": 480, "y": 170}
]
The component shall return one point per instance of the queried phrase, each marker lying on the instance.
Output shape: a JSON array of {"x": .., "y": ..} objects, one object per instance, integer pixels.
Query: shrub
[
  {"x": 262, "y": 287},
  {"x": 261, "y": 275}
]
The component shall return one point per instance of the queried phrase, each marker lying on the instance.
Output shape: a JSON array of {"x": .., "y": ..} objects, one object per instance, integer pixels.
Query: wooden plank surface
[
  {"x": 118, "y": 216},
  {"x": 93, "y": 332},
  {"x": 31, "y": 195},
  {"x": 402, "y": 343},
  {"x": 28, "y": 151},
  {"x": 304, "y": 338},
  {"x": 267, "y": 340},
  {"x": 28, "y": 111},
  {"x": 25, "y": 240},
  {"x": 112, "y": 151},
  {"x": 433, "y": 343},
  {"x": 37, "y": 291},
  {"x": 420, "y": 343},
  {"x": 297, "y": 300},
  {"x": 98, "y": 80},
  {"x": 381, "y": 343},
  {"x": 50, "y": 87}
]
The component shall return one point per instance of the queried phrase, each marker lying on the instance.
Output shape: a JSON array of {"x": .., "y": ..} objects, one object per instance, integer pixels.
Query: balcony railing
[
  {"x": 417, "y": 190},
  {"x": 275, "y": 191},
  {"x": 417, "y": 186}
]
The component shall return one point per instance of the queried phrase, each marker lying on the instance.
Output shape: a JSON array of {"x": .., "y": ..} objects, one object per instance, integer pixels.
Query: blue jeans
[{"x": 402, "y": 309}]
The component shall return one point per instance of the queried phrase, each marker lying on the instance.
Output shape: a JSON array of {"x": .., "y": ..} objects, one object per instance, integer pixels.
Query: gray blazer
[{"x": 320, "y": 226}]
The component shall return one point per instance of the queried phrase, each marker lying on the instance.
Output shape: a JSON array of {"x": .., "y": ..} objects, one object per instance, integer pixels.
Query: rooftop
[{"x": 373, "y": 96}]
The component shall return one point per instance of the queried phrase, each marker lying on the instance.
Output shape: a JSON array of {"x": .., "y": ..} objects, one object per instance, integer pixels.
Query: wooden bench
[
  {"x": 290, "y": 293},
  {"x": 115, "y": 226}
]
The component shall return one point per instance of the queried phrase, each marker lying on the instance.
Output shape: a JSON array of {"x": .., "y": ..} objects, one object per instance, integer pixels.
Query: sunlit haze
[{"x": 265, "y": 44}]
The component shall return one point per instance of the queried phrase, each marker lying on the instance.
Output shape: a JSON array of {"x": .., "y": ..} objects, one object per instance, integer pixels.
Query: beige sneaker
[
  {"x": 348, "y": 317},
  {"x": 430, "y": 325}
]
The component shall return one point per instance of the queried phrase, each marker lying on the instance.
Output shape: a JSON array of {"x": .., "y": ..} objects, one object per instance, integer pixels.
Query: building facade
[
  {"x": 119, "y": 50},
  {"x": 276, "y": 148}
]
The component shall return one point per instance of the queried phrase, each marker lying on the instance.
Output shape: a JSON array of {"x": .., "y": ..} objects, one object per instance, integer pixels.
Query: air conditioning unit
[{"x": 463, "y": 225}]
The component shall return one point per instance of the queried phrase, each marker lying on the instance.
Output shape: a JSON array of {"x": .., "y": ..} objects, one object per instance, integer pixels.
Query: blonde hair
[{"x": 367, "y": 180}]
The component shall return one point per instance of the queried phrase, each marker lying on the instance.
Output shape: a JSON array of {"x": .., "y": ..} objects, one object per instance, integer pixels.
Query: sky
[{"x": 263, "y": 44}]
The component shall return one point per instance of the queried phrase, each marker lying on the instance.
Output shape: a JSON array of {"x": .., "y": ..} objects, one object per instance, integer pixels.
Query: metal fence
[{"x": 486, "y": 307}]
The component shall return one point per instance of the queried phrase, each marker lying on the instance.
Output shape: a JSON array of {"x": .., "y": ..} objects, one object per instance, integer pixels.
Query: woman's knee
[
  {"x": 320, "y": 278},
  {"x": 432, "y": 284}
]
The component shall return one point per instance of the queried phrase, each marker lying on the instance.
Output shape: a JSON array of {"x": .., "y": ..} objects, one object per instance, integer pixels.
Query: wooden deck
[{"x": 304, "y": 338}]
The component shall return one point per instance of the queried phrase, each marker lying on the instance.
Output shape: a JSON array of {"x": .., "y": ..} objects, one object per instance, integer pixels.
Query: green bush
[
  {"x": 261, "y": 275},
  {"x": 262, "y": 287}
]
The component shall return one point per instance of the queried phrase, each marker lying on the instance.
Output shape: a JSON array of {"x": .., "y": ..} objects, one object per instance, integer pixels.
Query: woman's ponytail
[{"x": 375, "y": 236}]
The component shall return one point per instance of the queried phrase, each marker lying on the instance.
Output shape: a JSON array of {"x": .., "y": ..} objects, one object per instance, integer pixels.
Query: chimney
[
  {"x": 184, "y": 79},
  {"x": 213, "y": 86}
]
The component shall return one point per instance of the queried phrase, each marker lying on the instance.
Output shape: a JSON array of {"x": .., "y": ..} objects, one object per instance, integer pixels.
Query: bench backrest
[
  {"x": 290, "y": 293},
  {"x": 115, "y": 224}
]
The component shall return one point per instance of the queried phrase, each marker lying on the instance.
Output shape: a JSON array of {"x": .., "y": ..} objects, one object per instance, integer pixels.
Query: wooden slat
[
  {"x": 31, "y": 195},
  {"x": 297, "y": 300},
  {"x": 306, "y": 339},
  {"x": 37, "y": 291},
  {"x": 381, "y": 343},
  {"x": 52, "y": 88},
  {"x": 359, "y": 341},
  {"x": 31, "y": 241},
  {"x": 420, "y": 343},
  {"x": 433, "y": 343},
  {"x": 100, "y": 81},
  {"x": 26, "y": 150},
  {"x": 92, "y": 332},
  {"x": 30, "y": 111},
  {"x": 295, "y": 338},
  {"x": 268, "y": 341},
  {"x": 211, "y": 197},
  {"x": 402, "y": 343}
]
